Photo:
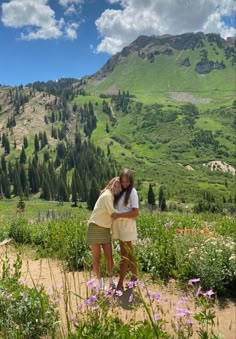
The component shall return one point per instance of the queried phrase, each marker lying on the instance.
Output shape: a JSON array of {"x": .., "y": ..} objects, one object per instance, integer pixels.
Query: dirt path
[{"x": 51, "y": 274}]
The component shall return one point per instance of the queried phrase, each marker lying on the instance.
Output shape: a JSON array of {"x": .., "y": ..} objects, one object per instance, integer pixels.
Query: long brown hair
[{"x": 130, "y": 177}]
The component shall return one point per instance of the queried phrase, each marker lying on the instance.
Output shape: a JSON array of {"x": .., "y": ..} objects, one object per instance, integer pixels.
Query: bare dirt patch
[{"x": 188, "y": 97}]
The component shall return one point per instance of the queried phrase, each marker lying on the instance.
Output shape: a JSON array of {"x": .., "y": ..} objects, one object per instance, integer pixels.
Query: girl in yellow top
[{"x": 99, "y": 229}]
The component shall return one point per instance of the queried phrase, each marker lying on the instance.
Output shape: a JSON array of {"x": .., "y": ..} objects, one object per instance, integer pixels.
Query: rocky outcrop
[
  {"x": 206, "y": 66},
  {"x": 221, "y": 166}
]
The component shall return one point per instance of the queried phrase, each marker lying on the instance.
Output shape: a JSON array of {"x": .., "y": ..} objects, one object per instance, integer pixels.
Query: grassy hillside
[{"x": 155, "y": 81}]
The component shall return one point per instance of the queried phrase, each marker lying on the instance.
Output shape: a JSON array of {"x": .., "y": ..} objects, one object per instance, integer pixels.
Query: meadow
[{"x": 186, "y": 266}]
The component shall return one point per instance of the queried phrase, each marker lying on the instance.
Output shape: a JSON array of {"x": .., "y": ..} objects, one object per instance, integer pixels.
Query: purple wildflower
[
  {"x": 73, "y": 319},
  {"x": 119, "y": 293},
  {"x": 156, "y": 296},
  {"x": 157, "y": 317},
  {"x": 131, "y": 298},
  {"x": 181, "y": 312},
  {"x": 209, "y": 293},
  {"x": 189, "y": 321},
  {"x": 183, "y": 300},
  {"x": 79, "y": 307},
  {"x": 91, "y": 283},
  {"x": 130, "y": 284},
  {"x": 193, "y": 281},
  {"x": 91, "y": 300}
]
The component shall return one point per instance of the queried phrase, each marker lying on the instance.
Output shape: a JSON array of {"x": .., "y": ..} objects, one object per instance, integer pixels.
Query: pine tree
[
  {"x": 74, "y": 189},
  {"x": 22, "y": 156},
  {"x": 36, "y": 143},
  {"x": 17, "y": 189},
  {"x": 7, "y": 146},
  {"x": 151, "y": 197},
  {"x": 25, "y": 142},
  {"x": 93, "y": 194},
  {"x": 3, "y": 163},
  {"x": 63, "y": 194},
  {"x": 45, "y": 191},
  {"x": 162, "y": 200},
  {"x": 107, "y": 128},
  {"x": 46, "y": 156},
  {"x": 21, "y": 204},
  {"x": 23, "y": 178}
]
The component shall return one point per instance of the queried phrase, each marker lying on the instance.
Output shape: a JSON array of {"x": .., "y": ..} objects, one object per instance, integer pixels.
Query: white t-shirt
[{"x": 132, "y": 203}]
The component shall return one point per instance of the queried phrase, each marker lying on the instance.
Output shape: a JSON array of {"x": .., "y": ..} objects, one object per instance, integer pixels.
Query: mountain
[
  {"x": 154, "y": 67},
  {"x": 163, "y": 106}
]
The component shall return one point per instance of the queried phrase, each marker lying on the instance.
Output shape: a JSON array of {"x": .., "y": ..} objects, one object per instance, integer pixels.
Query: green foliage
[
  {"x": 169, "y": 246},
  {"x": 211, "y": 258},
  {"x": 24, "y": 312}
]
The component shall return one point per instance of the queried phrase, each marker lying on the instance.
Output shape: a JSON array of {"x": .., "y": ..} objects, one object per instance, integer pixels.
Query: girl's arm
[{"x": 132, "y": 214}]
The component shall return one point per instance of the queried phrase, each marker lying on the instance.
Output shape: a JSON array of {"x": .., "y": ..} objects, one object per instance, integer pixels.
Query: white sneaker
[
  {"x": 102, "y": 284},
  {"x": 112, "y": 284}
]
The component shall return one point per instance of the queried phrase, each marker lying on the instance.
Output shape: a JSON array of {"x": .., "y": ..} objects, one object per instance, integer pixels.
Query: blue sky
[{"x": 50, "y": 39}]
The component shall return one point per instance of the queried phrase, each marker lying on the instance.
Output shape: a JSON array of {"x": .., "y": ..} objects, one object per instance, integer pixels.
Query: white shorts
[{"x": 124, "y": 230}]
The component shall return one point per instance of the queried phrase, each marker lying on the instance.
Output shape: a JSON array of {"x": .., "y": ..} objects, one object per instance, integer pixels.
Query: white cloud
[
  {"x": 66, "y": 3},
  {"x": 71, "y": 31},
  {"x": 37, "y": 19},
  {"x": 137, "y": 17},
  {"x": 70, "y": 10}
]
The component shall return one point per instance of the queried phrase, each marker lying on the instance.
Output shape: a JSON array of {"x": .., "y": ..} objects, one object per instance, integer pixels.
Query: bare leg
[
  {"x": 107, "y": 249},
  {"x": 133, "y": 266},
  {"x": 96, "y": 253},
  {"x": 124, "y": 263}
]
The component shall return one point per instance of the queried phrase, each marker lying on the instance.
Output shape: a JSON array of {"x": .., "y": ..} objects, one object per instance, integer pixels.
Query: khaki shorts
[{"x": 124, "y": 230}]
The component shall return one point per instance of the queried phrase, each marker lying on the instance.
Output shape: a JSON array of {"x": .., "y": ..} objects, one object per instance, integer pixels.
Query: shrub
[
  {"x": 212, "y": 259},
  {"x": 24, "y": 312}
]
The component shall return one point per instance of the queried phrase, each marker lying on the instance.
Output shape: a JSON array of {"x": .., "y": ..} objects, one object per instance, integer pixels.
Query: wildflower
[
  {"x": 193, "y": 281},
  {"x": 73, "y": 319},
  {"x": 189, "y": 321},
  {"x": 79, "y": 307},
  {"x": 169, "y": 224},
  {"x": 157, "y": 317},
  {"x": 91, "y": 300},
  {"x": 131, "y": 284},
  {"x": 156, "y": 296},
  {"x": 199, "y": 291},
  {"x": 181, "y": 312},
  {"x": 131, "y": 298},
  {"x": 21, "y": 282},
  {"x": 209, "y": 293},
  {"x": 119, "y": 293},
  {"x": 91, "y": 283}
]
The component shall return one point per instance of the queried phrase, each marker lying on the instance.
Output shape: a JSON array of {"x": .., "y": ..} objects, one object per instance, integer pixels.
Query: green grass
[{"x": 8, "y": 209}]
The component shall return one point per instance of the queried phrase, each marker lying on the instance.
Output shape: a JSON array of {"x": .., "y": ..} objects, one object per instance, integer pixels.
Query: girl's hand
[{"x": 115, "y": 215}]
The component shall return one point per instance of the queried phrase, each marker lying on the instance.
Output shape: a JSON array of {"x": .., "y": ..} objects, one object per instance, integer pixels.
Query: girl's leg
[
  {"x": 127, "y": 259},
  {"x": 107, "y": 249},
  {"x": 124, "y": 262},
  {"x": 133, "y": 266},
  {"x": 96, "y": 253}
]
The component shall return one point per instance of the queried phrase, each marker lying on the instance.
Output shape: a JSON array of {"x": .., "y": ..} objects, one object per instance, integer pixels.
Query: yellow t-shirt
[{"x": 103, "y": 209}]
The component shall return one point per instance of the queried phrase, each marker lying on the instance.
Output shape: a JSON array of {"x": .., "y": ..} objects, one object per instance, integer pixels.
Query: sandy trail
[{"x": 51, "y": 274}]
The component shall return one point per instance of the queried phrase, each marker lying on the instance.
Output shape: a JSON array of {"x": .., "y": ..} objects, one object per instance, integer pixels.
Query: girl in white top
[{"x": 124, "y": 224}]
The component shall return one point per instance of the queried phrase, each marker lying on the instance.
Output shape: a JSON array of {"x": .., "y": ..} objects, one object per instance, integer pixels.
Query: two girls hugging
[{"x": 114, "y": 217}]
